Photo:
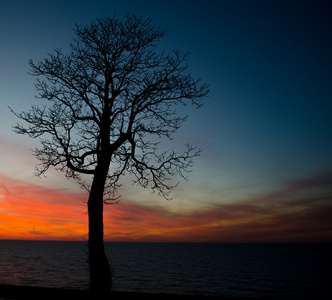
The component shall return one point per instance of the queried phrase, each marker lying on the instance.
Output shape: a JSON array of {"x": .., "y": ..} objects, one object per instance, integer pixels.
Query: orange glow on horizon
[
  {"x": 36, "y": 213},
  {"x": 32, "y": 212}
]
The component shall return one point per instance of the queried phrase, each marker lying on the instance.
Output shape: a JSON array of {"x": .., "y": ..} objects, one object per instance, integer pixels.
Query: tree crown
[{"x": 107, "y": 100}]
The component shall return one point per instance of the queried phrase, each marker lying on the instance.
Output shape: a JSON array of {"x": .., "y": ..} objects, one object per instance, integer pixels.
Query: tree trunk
[{"x": 100, "y": 271}]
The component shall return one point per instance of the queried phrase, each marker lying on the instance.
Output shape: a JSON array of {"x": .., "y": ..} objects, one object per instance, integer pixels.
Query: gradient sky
[{"x": 266, "y": 128}]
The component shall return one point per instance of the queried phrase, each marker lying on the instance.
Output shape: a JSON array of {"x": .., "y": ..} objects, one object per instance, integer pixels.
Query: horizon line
[{"x": 174, "y": 242}]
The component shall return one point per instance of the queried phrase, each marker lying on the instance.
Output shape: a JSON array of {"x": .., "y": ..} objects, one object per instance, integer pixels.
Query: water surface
[{"x": 298, "y": 271}]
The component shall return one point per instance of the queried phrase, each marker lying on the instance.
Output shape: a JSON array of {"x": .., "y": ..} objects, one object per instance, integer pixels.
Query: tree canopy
[{"x": 109, "y": 97}]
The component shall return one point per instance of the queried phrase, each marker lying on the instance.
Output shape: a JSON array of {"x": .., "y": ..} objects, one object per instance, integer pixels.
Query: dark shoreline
[{"x": 19, "y": 292}]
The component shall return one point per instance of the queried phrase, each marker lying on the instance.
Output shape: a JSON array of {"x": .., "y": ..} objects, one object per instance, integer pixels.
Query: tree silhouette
[{"x": 107, "y": 101}]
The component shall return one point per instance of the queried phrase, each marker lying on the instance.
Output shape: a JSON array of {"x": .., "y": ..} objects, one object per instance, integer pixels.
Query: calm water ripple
[{"x": 297, "y": 271}]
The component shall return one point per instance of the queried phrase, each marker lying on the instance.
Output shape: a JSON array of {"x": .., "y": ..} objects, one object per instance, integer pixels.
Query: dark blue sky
[{"x": 267, "y": 121}]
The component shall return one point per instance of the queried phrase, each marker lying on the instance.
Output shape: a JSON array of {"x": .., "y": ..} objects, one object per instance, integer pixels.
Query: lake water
[{"x": 297, "y": 271}]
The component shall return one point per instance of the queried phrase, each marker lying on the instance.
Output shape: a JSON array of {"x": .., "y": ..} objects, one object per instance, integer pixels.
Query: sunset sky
[{"x": 265, "y": 174}]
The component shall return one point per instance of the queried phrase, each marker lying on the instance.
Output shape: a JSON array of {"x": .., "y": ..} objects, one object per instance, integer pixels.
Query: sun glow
[{"x": 33, "y": 212}]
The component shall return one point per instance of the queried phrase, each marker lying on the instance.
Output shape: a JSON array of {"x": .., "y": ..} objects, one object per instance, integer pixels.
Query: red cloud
[
  {"x": 301, "y": 211},
  {"x": 33, "y": 212}
]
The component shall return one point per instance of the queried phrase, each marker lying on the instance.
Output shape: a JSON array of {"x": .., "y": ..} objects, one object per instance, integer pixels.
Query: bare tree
[{"x": 107, "y": 100}]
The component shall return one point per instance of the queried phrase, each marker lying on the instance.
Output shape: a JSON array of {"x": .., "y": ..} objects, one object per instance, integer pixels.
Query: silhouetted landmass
[{"x": 28, "y": 292}]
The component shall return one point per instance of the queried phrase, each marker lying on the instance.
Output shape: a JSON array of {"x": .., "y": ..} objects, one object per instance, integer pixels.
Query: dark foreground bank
[{"x": 28, "y": 292}]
